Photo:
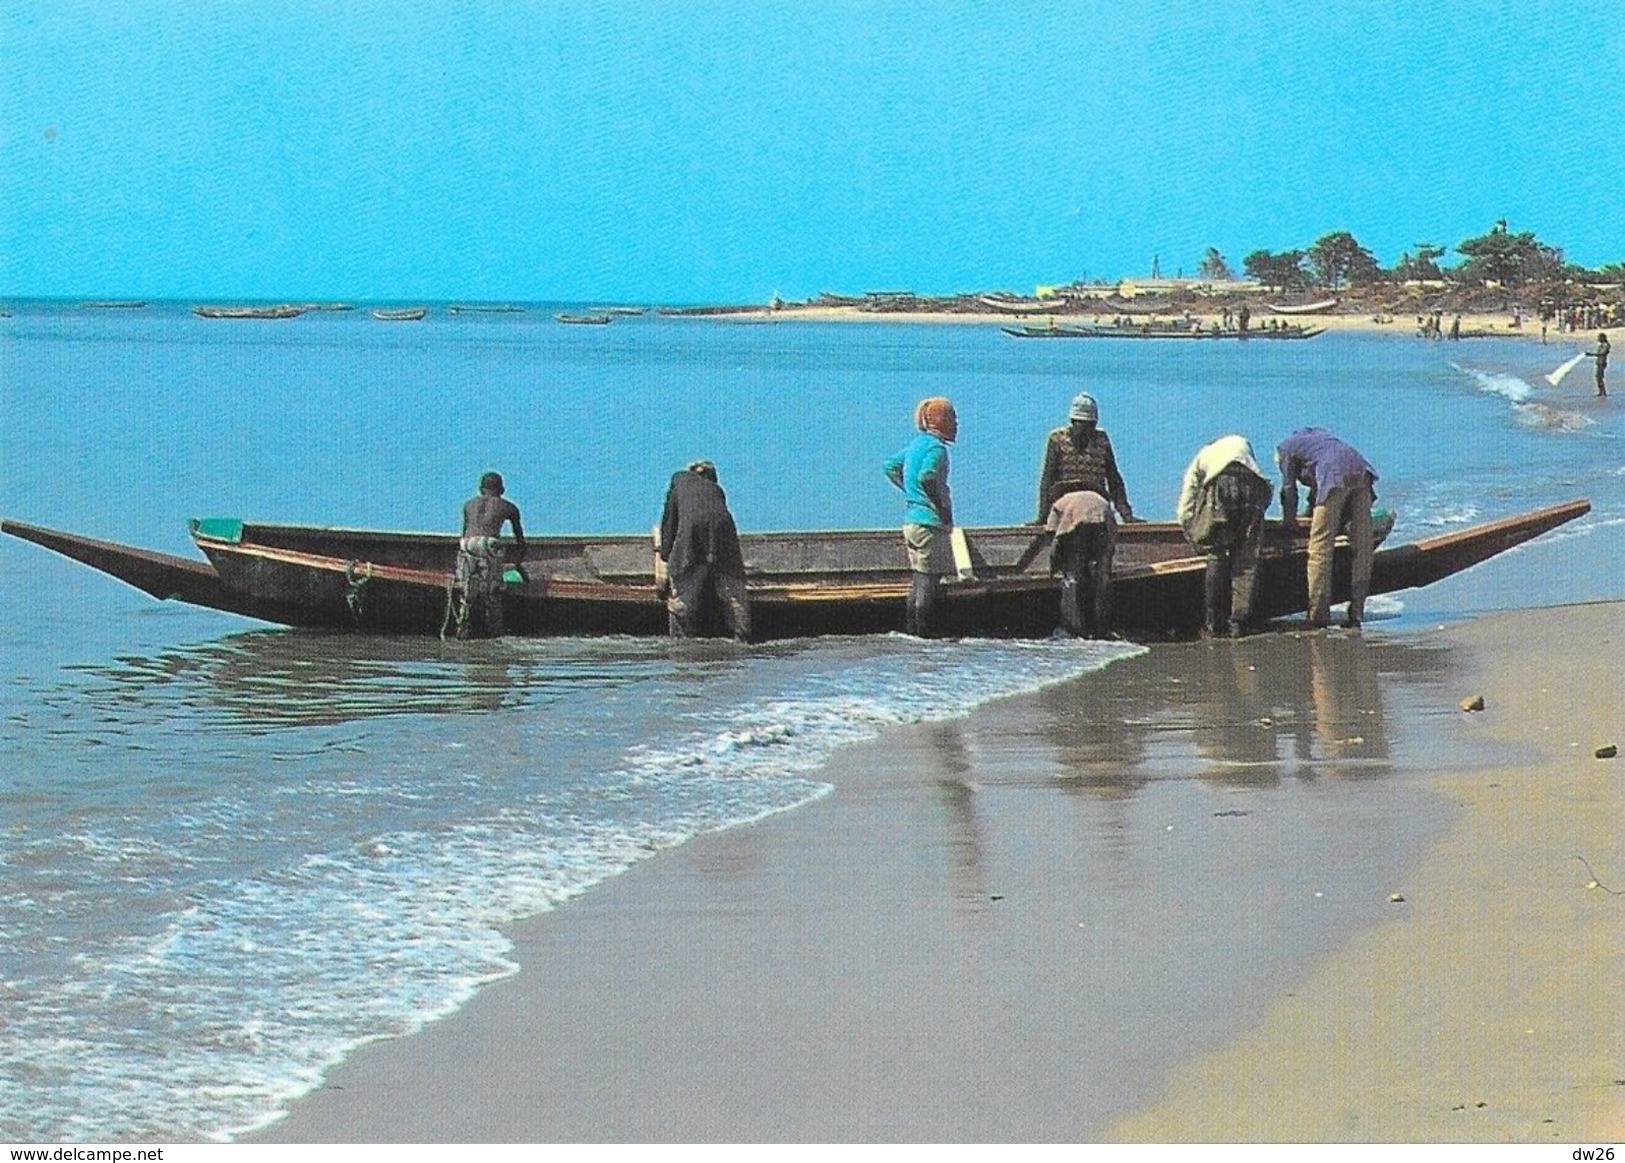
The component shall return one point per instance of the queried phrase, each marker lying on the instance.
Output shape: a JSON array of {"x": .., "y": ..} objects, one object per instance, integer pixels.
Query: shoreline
[
  {"x": 987, "y": 932},
  {"x": 1496, "y": 324},
  {"x": 1476, "y": 324}
]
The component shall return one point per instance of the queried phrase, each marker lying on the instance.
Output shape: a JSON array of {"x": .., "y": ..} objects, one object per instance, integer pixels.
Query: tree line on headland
[
  {"x": 1499, "y": 270},
  {"x": 1498, "y": 259}
]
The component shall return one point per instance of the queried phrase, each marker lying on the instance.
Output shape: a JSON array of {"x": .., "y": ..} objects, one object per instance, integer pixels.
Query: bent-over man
[
  {"x": 1221, "y": 509},
  {"x": 705, "y": 567},
  {"x": 1085, "y": 540},
  {"x": 482, "y": 560},
  {"x": 1341, "y": 491}
]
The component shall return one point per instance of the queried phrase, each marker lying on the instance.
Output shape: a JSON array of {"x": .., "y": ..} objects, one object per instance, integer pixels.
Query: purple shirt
[{"x": 1314, "y": 457}]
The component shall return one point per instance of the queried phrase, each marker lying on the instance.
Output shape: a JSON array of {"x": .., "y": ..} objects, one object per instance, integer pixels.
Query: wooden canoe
[
  {"x": 1151, "y": 331},
  {"x": 801, "y": 584},
  {"x": 1022, "y": 306},
  {"x": 280, "y": 311},
  {"x": 1314, "y": 308}
]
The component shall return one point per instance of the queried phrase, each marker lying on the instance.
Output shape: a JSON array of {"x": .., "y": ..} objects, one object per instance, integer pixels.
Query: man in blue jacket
[{"x": 921, "y": 471}]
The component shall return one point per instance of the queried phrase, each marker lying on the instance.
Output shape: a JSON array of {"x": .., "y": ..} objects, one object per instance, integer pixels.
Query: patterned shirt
[{"x": 1069, "y": 468}]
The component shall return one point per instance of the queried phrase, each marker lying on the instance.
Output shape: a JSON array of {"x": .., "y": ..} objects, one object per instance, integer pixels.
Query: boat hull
[
  {"x": 1147, "y": 332},
  {"x": 801, "y": 585}
]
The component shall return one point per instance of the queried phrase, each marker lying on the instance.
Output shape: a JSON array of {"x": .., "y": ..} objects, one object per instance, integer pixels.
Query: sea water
[{"x": 231, "y": 853}]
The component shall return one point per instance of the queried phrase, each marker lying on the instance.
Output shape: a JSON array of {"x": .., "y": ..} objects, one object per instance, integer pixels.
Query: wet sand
[
  {"x": 1491, "y": 1009},
  {"x": 1149, "y": 904}
]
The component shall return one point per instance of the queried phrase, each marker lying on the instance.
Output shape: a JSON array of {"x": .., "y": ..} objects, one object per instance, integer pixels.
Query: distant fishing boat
[
  {"x": 1315, "y": 308},
  {"x": 627, "y": 311},
  {"x": 327, "y": 306},
  {"x": 484, "y": 309},
  {"x": 403, "y": 314},
  {"x": 699, "y": 312},
  {"x": 593, "y": 320},
  {"x": 1020, "y": 306},
  {"x": 280, "y": 311},
  {"x": 114, "y": 304},
  {"x": 1149, "y": 331}
]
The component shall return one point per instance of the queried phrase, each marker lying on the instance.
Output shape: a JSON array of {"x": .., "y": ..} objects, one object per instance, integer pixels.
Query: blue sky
[{"x": 679, "y": 152}]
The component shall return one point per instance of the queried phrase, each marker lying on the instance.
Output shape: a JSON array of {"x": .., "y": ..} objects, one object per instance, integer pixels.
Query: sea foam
[
  {"x": 261, "y": 981},
  {"x": 1504, "y": 384}
]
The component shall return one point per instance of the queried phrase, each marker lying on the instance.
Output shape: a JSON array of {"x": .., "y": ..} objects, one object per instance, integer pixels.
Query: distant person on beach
[
  {"x": 1601, "y": 356},
  {"x": 704, "y": 565},
  {"x": 1342, "y": 489},
  {"x": 1221, "y": 509},
  {"x": 1244, "y": 317},
  {"x": 920, "y": 470},
  {"x": 1079, "y": 457},
  {"x": 1455, "y": 327},
  {"x": 1085, "y": 532},
  {"x": 482, "y": 560}
]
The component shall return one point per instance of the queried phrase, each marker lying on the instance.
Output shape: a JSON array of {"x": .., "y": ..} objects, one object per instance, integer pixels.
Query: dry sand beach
[
  {"x": 1496, "y": 323},
  {"x": 1155, "y": 908}
]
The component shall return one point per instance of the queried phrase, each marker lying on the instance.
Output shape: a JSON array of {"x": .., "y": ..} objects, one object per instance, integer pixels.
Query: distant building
[{"x": 1129, "y": 288}]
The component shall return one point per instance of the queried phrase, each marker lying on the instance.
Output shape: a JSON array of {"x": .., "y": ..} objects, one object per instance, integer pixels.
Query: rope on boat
[
  {"x": 456, "y": 612},
  {"x": 355, "y": 596}
]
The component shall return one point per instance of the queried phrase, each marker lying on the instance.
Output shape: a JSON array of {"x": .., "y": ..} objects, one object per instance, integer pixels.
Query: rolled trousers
[{"x": 1350, "y": 504}]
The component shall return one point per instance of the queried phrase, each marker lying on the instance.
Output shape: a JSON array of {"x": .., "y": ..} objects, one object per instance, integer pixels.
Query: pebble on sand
[
  {"x": 1473, "y": 703},
  {"x": 1608, "y": 751}
]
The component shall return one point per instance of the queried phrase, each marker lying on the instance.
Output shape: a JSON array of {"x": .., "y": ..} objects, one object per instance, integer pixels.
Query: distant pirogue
[
  {"x": 1162, "y": 331},
  {"x": 801, "y": 584},
  {"x": 280, "y": 311}
]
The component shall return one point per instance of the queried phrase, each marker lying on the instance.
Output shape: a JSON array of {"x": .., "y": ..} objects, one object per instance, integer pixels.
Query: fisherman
[
  {"x": 482, "y": 560},
  {"x": 704, "y": 565},
  {"x": 1601, "y": 356},
  {"x": 1243, "y": 318},
  {"x": 1221, "y": 508},
  {"x": 920, "y": 470},
  {"x": 1080, "y": 457},
  {"x": 1085, "y": 533},
  {"x": 1341, "y": 491},
  {"x": 1078, "y": 487}
]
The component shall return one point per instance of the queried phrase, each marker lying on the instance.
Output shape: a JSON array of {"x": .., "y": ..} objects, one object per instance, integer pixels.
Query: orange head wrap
[{"x": 936, "y": 415}]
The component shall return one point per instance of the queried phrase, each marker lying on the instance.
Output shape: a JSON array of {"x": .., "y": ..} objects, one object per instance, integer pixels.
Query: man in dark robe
[{"x": 705, "y": 568}]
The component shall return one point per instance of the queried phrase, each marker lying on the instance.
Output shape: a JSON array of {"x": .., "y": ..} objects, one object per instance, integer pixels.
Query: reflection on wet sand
[
  {"x": 1249, "y": 713},
  {"x": 964, "y": 830},
  {"x": 1307, "y": 705}
]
